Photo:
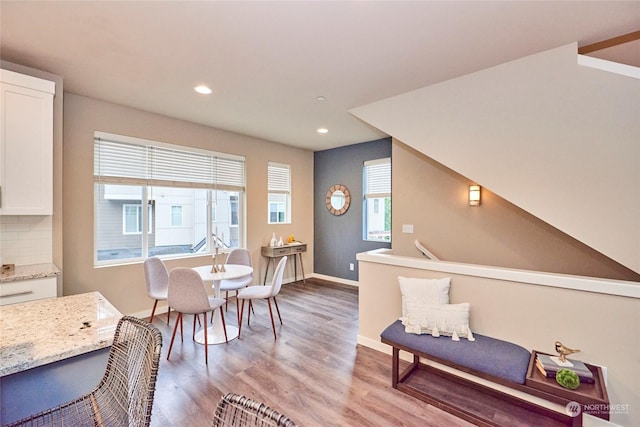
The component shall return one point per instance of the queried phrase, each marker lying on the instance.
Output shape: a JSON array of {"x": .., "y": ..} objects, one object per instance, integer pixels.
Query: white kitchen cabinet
[
  {"x": 26, "y": 144},
  {"x": 28, "y": 290}
]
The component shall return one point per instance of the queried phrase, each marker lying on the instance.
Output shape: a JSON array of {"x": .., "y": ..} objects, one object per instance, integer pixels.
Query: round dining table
[{"x": 215, "y": 333}]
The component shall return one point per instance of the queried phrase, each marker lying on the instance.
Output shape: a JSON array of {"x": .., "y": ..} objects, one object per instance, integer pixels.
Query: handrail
[
  {"x": 220, "y": 243},
  {"x": 615, "y": 41},
  {"x": 425, "y": 251}
]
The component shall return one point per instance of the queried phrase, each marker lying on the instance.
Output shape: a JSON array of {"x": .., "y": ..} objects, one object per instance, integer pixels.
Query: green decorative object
[{"x": 568, "y": 379}]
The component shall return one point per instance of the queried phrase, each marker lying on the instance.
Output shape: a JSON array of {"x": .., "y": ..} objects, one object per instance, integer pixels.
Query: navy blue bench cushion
[{"x": 491, "y": 356}]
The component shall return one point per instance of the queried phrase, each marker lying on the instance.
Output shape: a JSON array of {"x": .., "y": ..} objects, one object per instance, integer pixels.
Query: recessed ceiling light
[
  {"x": 323, "y": 130},
  {"x": 202, "y": 89},
  {"x": 321, "y": 98}
]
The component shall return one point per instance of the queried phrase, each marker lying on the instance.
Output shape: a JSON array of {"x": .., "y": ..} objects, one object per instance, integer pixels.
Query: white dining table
[{"x": 215, "y": 333}]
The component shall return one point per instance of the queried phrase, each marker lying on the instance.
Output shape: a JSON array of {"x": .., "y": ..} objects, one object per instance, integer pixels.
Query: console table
[{"x": 273, "y": 252}]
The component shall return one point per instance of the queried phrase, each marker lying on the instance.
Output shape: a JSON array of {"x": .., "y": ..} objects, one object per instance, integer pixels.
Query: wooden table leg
[
  {"x": 266, "y": 270},
  {"x": 304, "y": 280}
]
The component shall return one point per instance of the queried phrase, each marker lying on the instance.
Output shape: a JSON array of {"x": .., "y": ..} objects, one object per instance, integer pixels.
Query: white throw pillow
[
  {"x": 417, "y": 292},
  {"x": 439, "y": 319}
]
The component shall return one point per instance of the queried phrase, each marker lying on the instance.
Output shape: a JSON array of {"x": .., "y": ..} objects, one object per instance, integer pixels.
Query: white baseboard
[
  {"x": 334, "y": 279},
  {"x": 376, "y": 345},
  {"x": 145, "y": 314}
]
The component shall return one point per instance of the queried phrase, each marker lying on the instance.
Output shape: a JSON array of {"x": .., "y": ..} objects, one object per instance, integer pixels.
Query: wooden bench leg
[
  {"x": 396, "y": 376},
  {"x": 395, "y": 367}
]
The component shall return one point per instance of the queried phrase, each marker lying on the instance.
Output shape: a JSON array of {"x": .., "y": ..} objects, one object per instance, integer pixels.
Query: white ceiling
[{"x": 268, "y": 61}]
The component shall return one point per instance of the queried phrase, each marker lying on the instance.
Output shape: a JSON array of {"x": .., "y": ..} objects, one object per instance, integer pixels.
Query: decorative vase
[{"x": 274, "y": 242}]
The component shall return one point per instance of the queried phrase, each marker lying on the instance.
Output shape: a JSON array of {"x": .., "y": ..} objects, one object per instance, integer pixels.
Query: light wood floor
[{"x": 314, "y": 373}]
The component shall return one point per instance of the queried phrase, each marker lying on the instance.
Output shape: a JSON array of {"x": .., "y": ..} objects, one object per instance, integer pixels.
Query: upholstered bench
[{"x": 486, "y": 358}]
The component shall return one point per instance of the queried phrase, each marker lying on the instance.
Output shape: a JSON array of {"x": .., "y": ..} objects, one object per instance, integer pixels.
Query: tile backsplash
[{"x": 26, "y": 239}]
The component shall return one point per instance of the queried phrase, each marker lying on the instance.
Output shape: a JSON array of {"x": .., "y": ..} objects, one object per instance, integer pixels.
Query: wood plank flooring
[{"x": 314, "y": 373}]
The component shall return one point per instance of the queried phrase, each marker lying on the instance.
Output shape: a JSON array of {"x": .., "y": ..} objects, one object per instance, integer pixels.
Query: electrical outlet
[
  {"x": 407, "y": 228},
  {"x": 351, "y": 266}
]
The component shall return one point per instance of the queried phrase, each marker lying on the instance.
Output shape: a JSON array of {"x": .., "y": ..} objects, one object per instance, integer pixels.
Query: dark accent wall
[{"x": 337, "y": 239}]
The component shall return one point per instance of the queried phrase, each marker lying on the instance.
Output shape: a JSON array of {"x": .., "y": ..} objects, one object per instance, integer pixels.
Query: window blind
[
  {"x": 125, "y": 160},
  {"x": 279, "y": 178},
  {"x": 377, "y": 178}
]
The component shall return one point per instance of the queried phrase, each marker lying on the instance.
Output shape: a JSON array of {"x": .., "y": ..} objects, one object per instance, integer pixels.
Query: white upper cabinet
[{"x": 26, "y": 144}]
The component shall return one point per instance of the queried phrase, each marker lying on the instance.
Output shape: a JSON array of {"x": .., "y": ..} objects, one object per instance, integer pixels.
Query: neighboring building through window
[
  {"x": 176, "y": 215},
  {"x": 279, "y": 193},
  {"x": 377, "y": 200},
  {"x": 233, "y": 213},
  {"x": 132, "y": 219},
  {"x": 184, "y": 189}
]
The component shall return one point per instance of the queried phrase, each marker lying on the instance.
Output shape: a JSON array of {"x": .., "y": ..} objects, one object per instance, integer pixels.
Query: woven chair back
[
  {"x": 235, "y": 410},
  {"x": 124, "y": 396}
]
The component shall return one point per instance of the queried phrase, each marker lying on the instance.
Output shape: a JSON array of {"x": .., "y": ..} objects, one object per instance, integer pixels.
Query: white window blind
[
  {"x": 377, "y": 178},
  {"x": 125, "y": 160},
  {"x": 279, "y": 178},
  {"x": 279, "y": 193}
]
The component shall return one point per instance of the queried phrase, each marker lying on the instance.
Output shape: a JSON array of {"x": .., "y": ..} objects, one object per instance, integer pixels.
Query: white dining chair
[
  {"x": 238, "y": 256},
  {"x": 264, "y": 292},
  {"x": 187, "y": 295},
  {"x": 156, "y": 278}
]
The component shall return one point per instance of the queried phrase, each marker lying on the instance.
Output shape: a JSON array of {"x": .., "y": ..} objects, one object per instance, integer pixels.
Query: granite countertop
[
  {"x": 39, "y": 332},
  {"x": 26, "y": 272}
]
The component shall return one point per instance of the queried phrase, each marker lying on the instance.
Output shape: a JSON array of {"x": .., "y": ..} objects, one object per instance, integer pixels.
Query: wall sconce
[{"x": 474, "y": 195}]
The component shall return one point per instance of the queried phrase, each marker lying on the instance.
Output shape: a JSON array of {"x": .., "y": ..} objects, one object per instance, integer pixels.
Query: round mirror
[{"x": 338, "y": 199}]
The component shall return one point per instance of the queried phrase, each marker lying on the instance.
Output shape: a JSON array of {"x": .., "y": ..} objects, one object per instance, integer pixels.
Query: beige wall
[
  {"x": 124, "y": 285},
  {"x": 434, "y": 199},
  {"x": 603, "y": 326},
  {"x": 554, "y": 137}
]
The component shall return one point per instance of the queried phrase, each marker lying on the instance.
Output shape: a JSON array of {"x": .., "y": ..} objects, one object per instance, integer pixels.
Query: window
[
  {"x": 279, "y": 193},
  {"x": 377, "y": 200},
  {"x": 132, "y": 219},
  {"x": 233, "y": 214},
  {"x": 183, "y": 188},
  {"x": 176, "y": 215}
]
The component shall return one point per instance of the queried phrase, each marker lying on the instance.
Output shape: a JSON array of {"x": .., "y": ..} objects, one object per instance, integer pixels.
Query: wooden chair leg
[
  {"x": 224, "y": 325},
  {"x": 249, "y": 311},
  {"x": 175, "y": 328},
  {"x": 153, "y": 310},
  {"x": 181, "y": 329},
  {"x": 193, "y": 335},
  {"x": 277, "y": 309},
  {"x": 237, "y": 308},
  {"x": 206, "y": 342},
  {"x": 226, "y": 301},
  {"x": 240, "y": 321},
  {"x": 168, "y": 315},
  {"x": 273, "y": 325}
]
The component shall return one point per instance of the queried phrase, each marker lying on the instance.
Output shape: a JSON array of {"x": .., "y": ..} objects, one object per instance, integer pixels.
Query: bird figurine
[{"x": 564, "y": 351}]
